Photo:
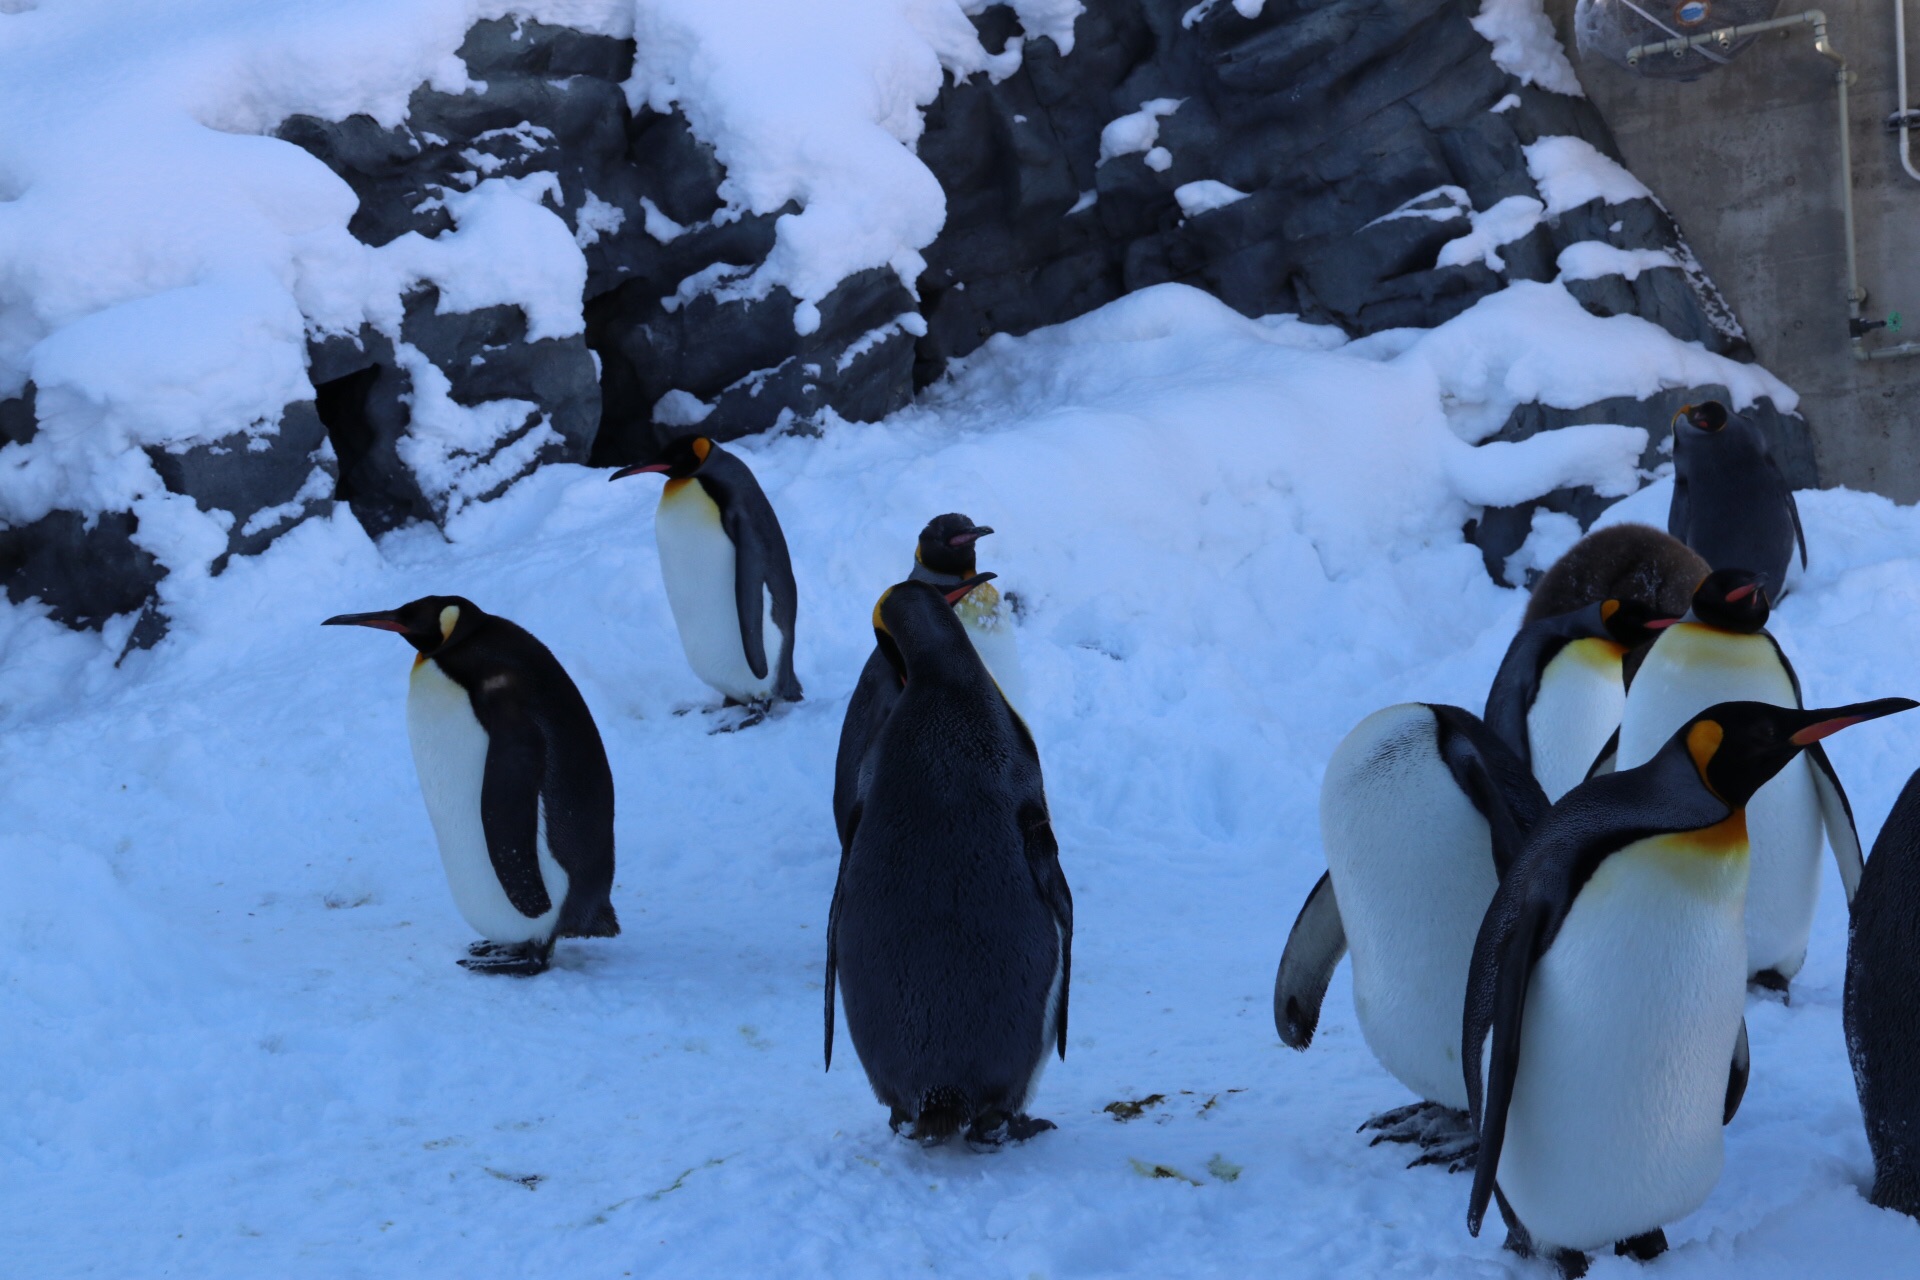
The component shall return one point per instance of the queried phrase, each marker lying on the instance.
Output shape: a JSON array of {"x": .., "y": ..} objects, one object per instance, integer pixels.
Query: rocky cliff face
[{"x": 1316, "y": 158}]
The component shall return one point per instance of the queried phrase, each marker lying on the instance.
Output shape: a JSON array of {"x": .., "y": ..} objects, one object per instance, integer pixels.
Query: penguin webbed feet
[
  {"x": 985, "y": 1132},
  {"x": 1644, "y": 1247},
  {"x": 996, "y": 1127},
  {"x": 1445, "y": 1136},
  {"x": 508, "y": 959},
  {"x": 1770, "y": 983},
  {"x": 1570, "y": 1263},
  {"x": 733, "y": 715}
]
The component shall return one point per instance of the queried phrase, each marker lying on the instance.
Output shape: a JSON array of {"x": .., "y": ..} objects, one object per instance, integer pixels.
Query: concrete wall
[{"x": 1747, "y": 160}]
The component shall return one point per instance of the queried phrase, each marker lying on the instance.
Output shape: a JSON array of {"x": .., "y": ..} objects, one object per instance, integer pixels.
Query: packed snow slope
[{"x": 238, "y": 1044}]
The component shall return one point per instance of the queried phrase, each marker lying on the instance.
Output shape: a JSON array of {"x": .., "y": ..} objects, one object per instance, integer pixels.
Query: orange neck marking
[
  {"x": 674, "y": 487},
  {"x": 1728, "y": 836}
]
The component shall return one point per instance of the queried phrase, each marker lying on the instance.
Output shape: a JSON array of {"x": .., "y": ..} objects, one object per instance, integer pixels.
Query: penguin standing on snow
[
  {"x": 514, "y": 777},
  {"x": 1731, "y": 503},
  {"x": 729, "y": 579},
  {"x": 1631, "y": 563},
  {"x": 1421, "y": 810},
  {"x": 1722, "y": 652},
  {"x": 1608, "y": 974},
  {"x": 1883, "y": 1026},
  {"x": 1559, "y": 692},
  {"x": 944, "y": 556},
  {"x": 951, "y": 929}
]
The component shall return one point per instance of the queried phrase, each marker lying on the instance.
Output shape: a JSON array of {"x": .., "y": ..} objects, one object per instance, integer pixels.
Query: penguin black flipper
[
  {"x": 1043, "y": 859},
  {"x": 1837, "y": 813},
  {"x": 1503, "y": 957},
  {"x": 1314, "y": 948},
  {"x": 1493, "y": 777},
  {"x": 750, "y": 564},
  {"x": 833, "y": 926},
  {"x": 1737, "y": 1076},
  {"x": 1793, "y": 509},
  {"x": 874, "y": 696},
  {"x": 510, "y": 807}
]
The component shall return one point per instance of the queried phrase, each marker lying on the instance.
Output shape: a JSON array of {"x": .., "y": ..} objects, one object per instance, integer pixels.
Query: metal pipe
[
  {"x": 1858, "y": 326},
  {"x": 1903, "y": 108}
]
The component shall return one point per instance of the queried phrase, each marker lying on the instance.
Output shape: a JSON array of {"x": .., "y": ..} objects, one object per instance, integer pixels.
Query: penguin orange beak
[
  {"x": 651, "y": 467},
  {"x": 382, "y": 621},
  {"x": 1848, "y": 716},
  {"x": 1741, "y": 593},
  {"x": 959, "y": 593},
  {"x": 969, "y": 537},
  {"x": 1660, "y": 624}
]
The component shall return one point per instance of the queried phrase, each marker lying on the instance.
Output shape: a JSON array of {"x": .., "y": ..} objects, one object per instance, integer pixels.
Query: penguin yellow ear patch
[
  {"x": 1703, "y": 740},
  {"x": 879, "y": 623},
  {"x": 449, "y": 619},
  {"x": 1607, "y": 609},
  {"x": 702, "y": 447}
]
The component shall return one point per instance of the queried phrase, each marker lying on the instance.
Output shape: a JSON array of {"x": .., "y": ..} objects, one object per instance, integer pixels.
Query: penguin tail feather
[{"x": 944, "y": 1111}]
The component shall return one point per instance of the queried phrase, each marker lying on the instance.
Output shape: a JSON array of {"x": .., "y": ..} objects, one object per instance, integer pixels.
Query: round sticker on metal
[{"x": 1691, "y": 13}]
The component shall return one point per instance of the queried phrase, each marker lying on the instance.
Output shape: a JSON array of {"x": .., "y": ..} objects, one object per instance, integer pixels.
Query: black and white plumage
[
  {"x": 1604, "y": 1043},
  {"x": 1731, "y": 502},
  {"x": 514, "y": 777},
  {"x": 951, "y": 930},
  {"x": 1882, "y": 1017},
  {"x": 1559, "y": 692},
  {"x": 729, "y": 579},
  {"x": 1722, "y": 652},
  {"x": 1421, "y": 809}
]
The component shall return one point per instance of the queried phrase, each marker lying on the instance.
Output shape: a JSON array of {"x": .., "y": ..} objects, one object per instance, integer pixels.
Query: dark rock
[
  {"x": 262, "y": 480},
  {"x": 84, "y": 571},
  {"x": 18, "y": 422}
]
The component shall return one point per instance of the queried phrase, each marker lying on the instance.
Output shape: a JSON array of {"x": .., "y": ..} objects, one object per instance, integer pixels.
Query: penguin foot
[
  {"x": 996, "y": 1127},
  {"x": 1458, "y": 1155},
  {"x": 732, "y": 716},
  {"x": 1768, "y": 982},
  {"x": 1642, "y": 1248},
  {"x": 508, "y": 959},
  {"x": 1435, "y": 1127}
]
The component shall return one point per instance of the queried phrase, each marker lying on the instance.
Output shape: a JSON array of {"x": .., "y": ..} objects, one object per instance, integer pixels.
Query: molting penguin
[
  {"x": 951, "y": 929},
  {"x": 1730, "y": 501},
  {"x": 1608, "y": 973},
  {"x": 1557, "y": 697},
  {"x": 514, "y": 777},
  {"x": 1722, "y": 652},
  {"x": 1626, "y": 562},
  {"x": 1421, "y": 809},
  {"x": 728, "y": 577},
  {"x": 1883, "y": 1024}
]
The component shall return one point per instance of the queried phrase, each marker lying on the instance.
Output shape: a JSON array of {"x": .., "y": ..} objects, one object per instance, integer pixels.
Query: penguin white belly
[
  {"x": 1412, "y": 867},
  {"x": 696, "y": 563},
  {"x": 1574, "y": 712},
  {"x": 989, "y": 623},
  {"x": 1690, "y": 669},
  {"x": 1625, "y": 1046},
  {"x": 450, "y": 755}
]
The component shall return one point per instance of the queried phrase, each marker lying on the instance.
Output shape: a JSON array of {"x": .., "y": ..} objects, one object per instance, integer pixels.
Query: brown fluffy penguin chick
[{"x": 1621, "y": 562}]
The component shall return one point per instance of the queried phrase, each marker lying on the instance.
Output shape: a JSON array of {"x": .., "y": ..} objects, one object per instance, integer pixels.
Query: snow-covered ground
[{"x": 237, "y": 1044}]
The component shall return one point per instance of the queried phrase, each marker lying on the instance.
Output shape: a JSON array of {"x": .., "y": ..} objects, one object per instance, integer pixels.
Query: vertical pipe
[
  {"x": 1856, "y": 296},
  {"x": 1903, "y": 106}
]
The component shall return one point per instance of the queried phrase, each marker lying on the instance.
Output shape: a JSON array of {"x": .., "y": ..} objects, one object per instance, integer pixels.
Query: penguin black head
[
  {"x": 683, "y": 458},
  {"x": 918, "y": 617},
  {"x": 1708, "y": 415},
  {"x": 946, "y": 544},
  {"x": 1732, "y": 600},
  {"x": 1631, "y": 622},
  {"x": 1737, "y": 747},
  {"x": 430, "y": 624}
]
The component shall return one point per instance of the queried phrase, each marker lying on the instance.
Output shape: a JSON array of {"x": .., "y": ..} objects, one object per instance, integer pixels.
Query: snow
[
  {"x": 1505, "y": 222},
  {"x": 1204, "y": 196},
  {"x": 1591, "y": 259},
  {"x": 1525, "y": 46},
  {"x": 1136, "y": 131},
  {"x": 237, "y": 1033},
  {"x": 1570, "y": 172},
  {"x": 1453, "y": 203}
]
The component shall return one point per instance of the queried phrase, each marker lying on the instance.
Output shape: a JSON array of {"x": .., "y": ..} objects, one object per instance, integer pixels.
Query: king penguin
[
  {"x": 1730, "y": 501},
  {"x": 1883, "y": 1024},
  {"x": 728, "y": 576},
  {"x": 515, "y": 779},
  {"x": 950, "y": 935},
  {"x": 1625, "y": 562},
  {"x": 1722, "y": 652},
  {"x": 1608, "y": 974},
  {"x": 1421, "y": 809},
  {"x": 1559, "y": 692}
]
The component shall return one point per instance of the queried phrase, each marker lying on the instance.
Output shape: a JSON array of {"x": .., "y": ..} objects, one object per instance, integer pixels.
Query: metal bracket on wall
[{"x": 1858, "y": 325}]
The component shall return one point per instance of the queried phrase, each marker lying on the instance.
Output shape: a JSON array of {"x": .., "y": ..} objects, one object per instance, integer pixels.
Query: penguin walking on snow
[
  {"x": 1731, "y": 503},
  {"x": 944, "y": 556},
  {"x": 1883, "y": 1025},
  {"x": 1722, "y": 652},
  {"x": 515, "y": 779},
  {"x": 728, "y": 576},
  {"x": 1559, "y": 692},
  {"x": 1609, "y": 976},
  {"x": 950, "y": 935},
  {"x": 1421, "y": 810},
  {"x": 1631, "y": 563}
]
